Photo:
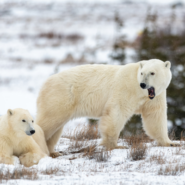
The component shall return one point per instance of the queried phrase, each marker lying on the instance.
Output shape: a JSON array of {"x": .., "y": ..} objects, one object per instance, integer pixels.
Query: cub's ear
[
  {"x": 141, "y": 65},
  {"x": 10, "y": 112},
  {"x": 167, "y": 64}
]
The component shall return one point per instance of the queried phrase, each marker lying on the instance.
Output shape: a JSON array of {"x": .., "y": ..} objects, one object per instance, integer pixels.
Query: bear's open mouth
[{"x": 151, "y": 93}]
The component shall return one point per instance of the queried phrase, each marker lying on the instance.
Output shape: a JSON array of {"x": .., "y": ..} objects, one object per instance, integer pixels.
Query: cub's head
[
  {"x": 20, "y": 121},
  {"x": 154, "y": 76}
]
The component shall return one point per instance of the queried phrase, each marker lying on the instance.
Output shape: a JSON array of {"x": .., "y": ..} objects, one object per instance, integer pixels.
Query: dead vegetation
[
  {"x": 135, "y": 139},
  {"x": 172, "y": 169},
  {"x": 138, "y": 150},
  {"x": 51, "y": 171},
  {"x": 73, "y": 37},
  {"x": 25, "y": 173},
  {"x": 18, "y": 173},
  {"x": 158, "y": 159},
  {"x": 82, "y": 133},
  {"x": 83, "y": 141}
]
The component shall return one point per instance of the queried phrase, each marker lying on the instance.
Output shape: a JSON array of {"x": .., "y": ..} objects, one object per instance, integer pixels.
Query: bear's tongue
[{"x": 151, "y": 93}]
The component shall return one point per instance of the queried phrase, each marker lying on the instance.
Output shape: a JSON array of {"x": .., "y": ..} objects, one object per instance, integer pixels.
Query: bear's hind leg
[{"x": 51, "y": 143}]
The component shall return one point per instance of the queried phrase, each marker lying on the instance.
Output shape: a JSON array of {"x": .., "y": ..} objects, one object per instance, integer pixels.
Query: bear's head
[
  {"x": 20, "y": 121},
  {"x": 154, "y": 76}
]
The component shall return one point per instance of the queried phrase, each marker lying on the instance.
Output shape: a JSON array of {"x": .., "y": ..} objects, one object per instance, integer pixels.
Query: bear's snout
[
  {"x": 32, "y": 132},
  {"x": 143, "y": 85}
]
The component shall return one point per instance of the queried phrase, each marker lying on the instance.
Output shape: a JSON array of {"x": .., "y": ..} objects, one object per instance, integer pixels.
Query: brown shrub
[{"x": 137, "y": 151}]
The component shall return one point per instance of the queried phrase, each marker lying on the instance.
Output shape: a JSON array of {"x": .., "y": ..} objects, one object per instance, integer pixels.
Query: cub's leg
[
  {"x": 8, "y": 159},
  {"x": 111, "y": 124},
  {"x": 31, "y": 152},
  {"x": 6, "y": 152}
]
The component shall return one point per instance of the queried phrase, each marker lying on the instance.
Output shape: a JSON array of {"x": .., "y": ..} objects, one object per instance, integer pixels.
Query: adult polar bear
[{"x": 111, "y": 93}]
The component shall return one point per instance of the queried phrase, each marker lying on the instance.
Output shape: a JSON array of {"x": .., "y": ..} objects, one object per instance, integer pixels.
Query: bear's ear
[
  {"x": 167, "y": 64},
  {"x": 141, "y": 65},
  {"x": 10, "y": 112}
]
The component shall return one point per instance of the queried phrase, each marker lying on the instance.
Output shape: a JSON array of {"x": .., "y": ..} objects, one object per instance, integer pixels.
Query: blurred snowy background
[{"x": 41, "y": 37}]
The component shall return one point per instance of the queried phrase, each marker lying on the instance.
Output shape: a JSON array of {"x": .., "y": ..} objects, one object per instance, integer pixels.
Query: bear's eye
[
  {"x": 152, "y": 73},
  {"x": 32, "y": 121},
  {"x": 23, "y": 120},
  {"x": 141, "y": 73}
]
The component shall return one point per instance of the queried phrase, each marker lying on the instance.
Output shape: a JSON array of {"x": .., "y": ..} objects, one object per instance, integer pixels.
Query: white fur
[
  {"x": 15, "y": 140},
  {"x": 111, "y": 93}
]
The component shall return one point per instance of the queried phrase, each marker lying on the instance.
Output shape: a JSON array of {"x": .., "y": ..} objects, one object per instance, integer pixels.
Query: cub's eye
[
  {"x": 32, "y": 121},
  {"x": 141, "y": 73},
  {"x": 23, "y": 120},
  {"x": 152, "y": 73}
]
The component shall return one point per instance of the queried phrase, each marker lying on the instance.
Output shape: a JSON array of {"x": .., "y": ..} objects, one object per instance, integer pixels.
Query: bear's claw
[{"x": 175, "y": 144}]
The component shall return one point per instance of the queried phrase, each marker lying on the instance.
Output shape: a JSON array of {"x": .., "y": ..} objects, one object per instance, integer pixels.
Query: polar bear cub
[
  {"x": 16, "y": 130},
  {"x": 113, "y": 94}
]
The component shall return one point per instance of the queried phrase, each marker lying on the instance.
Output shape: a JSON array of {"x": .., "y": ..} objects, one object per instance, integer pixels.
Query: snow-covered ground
[
  {"x": 162, "y": 166},
  {"x": 41, "y": 37}
]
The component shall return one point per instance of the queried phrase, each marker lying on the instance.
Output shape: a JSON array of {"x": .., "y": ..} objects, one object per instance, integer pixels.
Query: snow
[
  {"x": 84, "y": 30},
  {"x": 119, "y": 169}
]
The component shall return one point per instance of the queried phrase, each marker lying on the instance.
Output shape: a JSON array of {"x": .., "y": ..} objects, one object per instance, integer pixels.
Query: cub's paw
[{"x": 30, "y": 159}]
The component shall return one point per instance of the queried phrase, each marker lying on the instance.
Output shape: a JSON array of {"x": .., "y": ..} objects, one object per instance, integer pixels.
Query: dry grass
[
  {"x": 102, "y": 156},
  {"x": 159, "y": 159},
  {"x": 76, "y": 145},
  {"x": 172, "y": 135},
  {"x": 135, "y": 139},
  {"x": 18, "y": 173},
  {"x": 51, "y": 171},
  {"x": 81, "y": 142},
  {"x": 137, "y": 151},
  {"x": 84, "y": 133},
  {"x": 171, "y": 169}
]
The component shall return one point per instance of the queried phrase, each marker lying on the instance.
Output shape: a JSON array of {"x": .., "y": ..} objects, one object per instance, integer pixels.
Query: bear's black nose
[
  {"x": 32, "y": 131},
  {"x": 143, "y": 85}
]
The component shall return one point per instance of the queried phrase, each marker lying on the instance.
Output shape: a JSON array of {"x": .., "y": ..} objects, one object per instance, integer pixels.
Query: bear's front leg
[
  {"x": 154, "y": 116},
  {"x": 30, "y": 159},
  {"x": 111, "y": 124}
]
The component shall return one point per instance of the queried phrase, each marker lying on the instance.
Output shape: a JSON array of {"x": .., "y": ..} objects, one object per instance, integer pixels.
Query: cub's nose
[
  {"x": 143, "y": 85},
  {"x": 32, "y": 132}
]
